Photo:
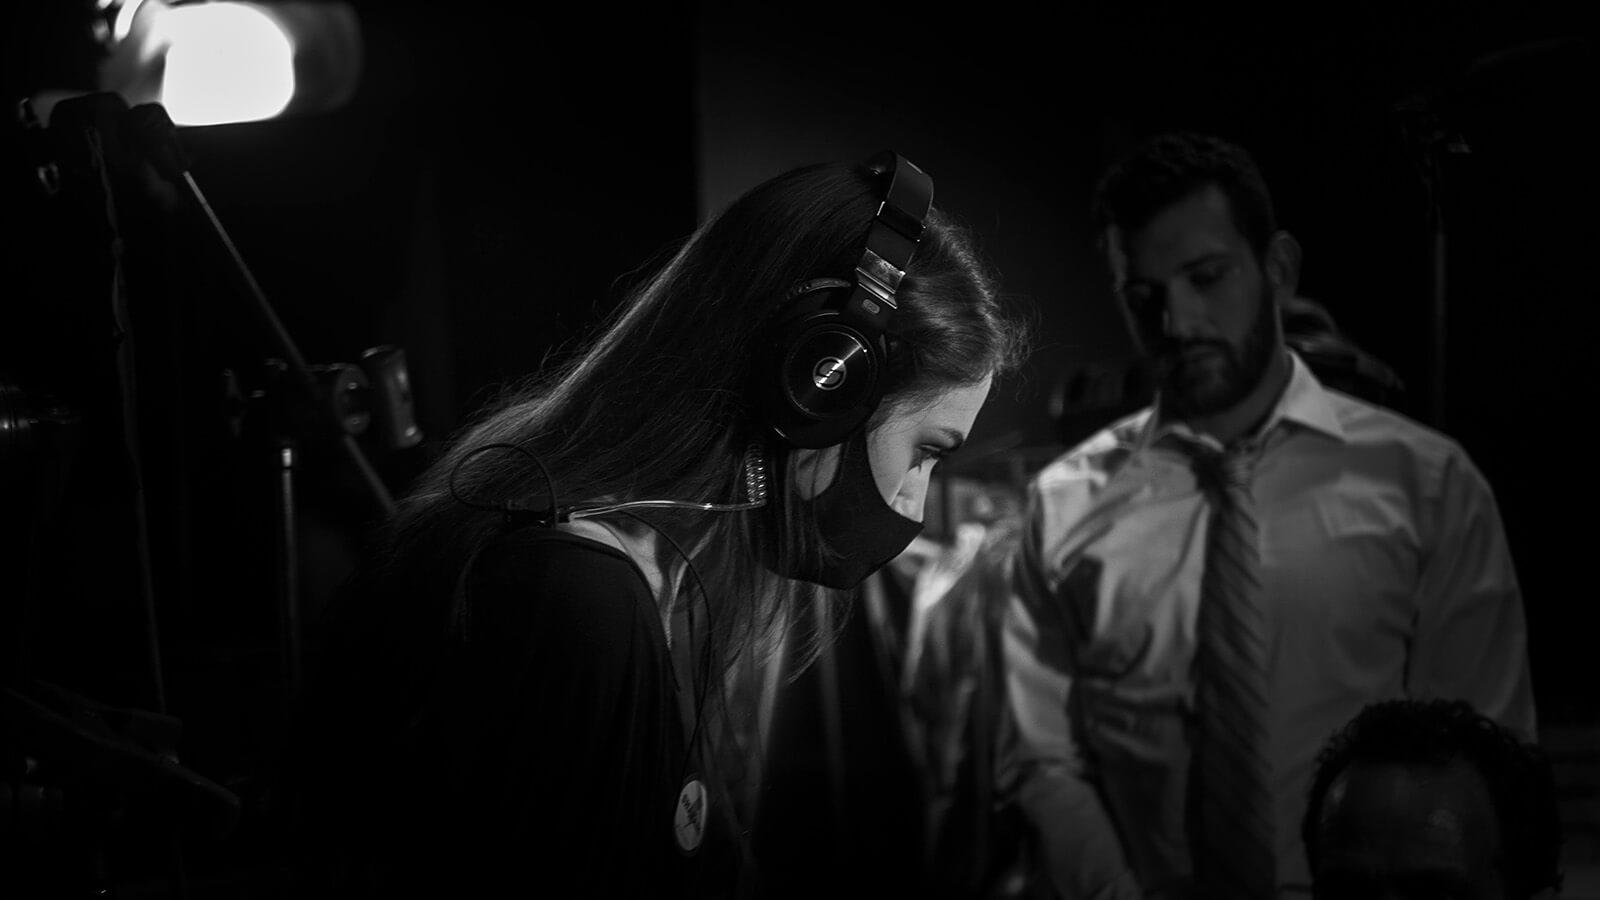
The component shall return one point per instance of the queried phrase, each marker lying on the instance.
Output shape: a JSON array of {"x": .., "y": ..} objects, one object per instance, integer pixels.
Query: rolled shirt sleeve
[{"x": 1077, "y": 840}]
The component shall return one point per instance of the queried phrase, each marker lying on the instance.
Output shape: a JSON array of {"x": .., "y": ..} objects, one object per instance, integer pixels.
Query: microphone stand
[
  {"x": 1427, "y": 138},
  {"x": 1432, "y": 123},
  {"x": 1438, "y": 273},
  {"x": 155, "y": 132},
  {"x": 89, "y": 149},
  {"x": 286, "y": 549},
  {"x": 160, "y": 138}
]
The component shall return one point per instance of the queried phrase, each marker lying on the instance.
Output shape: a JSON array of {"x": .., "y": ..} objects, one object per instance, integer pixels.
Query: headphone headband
[{"x": 892, "y": 238}]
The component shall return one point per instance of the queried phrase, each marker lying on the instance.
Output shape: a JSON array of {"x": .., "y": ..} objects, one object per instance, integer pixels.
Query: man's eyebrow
[{"x": 1207, "y": 259}]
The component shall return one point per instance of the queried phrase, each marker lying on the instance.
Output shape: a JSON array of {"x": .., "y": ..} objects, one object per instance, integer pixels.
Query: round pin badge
[{"x": 689, "y": 819}]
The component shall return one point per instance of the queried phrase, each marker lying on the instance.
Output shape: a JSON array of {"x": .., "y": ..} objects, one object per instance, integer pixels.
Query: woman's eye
[{"x": 928, "y": 454}]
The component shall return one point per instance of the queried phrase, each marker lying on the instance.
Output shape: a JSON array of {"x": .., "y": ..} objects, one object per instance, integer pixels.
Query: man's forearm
[{"x": 1077, "y": 840}]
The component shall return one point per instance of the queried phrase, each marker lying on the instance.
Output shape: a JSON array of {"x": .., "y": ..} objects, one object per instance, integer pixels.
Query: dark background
[{"x": 501, "y": 176}]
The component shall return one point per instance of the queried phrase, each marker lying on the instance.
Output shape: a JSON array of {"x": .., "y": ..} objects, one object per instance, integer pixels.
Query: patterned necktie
[{"x": 1230, "y": 805}]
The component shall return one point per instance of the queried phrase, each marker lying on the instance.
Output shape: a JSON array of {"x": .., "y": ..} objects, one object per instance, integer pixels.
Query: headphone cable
[{"x": 755, "y": 481}]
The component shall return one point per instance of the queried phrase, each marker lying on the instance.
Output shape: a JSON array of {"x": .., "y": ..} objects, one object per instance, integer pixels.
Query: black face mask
[{"x": 862, "y": 530}]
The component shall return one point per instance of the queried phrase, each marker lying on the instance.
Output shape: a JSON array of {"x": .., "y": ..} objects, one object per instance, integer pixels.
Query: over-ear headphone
[{"x": 828, "y": 346}]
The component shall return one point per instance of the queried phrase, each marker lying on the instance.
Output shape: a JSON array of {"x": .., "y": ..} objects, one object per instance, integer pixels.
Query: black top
[{"x": 549, "y": 751}]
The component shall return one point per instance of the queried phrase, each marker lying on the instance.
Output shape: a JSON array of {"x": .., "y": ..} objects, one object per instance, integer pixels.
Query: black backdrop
[{"x": 502, "y": 173}]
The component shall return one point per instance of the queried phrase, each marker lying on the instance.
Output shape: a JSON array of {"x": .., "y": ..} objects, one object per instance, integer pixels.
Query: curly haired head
[{"x": 1440, "y": 733}]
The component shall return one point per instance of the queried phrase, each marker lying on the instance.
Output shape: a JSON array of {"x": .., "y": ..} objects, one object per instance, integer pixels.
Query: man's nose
[{"x": 1184, "y": 314}]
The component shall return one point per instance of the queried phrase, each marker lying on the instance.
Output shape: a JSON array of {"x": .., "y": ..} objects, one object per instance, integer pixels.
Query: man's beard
[{"x": 1221, "y": 380}]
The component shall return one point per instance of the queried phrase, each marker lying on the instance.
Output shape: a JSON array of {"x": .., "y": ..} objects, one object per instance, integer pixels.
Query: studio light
[{"x": 211, "y": 63}]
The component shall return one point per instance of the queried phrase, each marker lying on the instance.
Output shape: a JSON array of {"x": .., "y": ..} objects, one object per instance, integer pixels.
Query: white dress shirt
[{"x": 1386, "y": 574}]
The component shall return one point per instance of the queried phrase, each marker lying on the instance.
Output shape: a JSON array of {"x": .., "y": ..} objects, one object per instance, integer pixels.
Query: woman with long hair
[{"x": 525, "y": 688}]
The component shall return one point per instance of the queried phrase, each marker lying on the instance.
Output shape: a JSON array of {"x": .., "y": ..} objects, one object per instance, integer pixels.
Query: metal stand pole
[
  {"x": 287, "y": 570},
  {"x": 1438, "y": 308}
]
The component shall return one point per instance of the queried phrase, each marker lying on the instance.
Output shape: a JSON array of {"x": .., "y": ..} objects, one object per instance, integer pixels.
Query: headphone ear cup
[{"x": 825, "y": 377}]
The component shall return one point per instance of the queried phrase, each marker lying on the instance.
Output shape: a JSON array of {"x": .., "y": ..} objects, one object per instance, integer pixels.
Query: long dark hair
[{"x": 660, "y": 404}]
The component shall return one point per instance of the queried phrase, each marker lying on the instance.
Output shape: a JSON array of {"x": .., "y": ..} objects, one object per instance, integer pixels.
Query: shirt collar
[
  {"x": 1304, "y": 401},
  {"x": 1307, "y": 402}
]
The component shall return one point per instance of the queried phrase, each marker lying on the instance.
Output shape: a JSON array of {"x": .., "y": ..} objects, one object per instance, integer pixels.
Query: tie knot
[
  {"x": 1239, "y": 464},
  {"x": 1223, "y": 469}
]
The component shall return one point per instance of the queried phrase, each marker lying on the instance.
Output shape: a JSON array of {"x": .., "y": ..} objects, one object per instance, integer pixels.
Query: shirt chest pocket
[{"x": 1342, "y": 563}]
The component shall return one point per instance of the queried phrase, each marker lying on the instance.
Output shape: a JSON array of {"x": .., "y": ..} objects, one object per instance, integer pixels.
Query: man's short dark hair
[
  {"x": 1172, "y": 167},
  {"x": 1441, "y": 732}
]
